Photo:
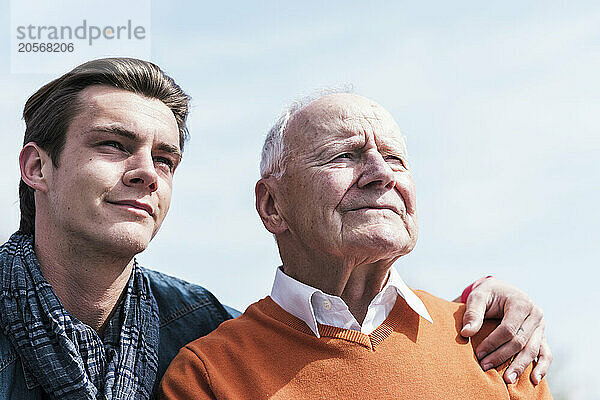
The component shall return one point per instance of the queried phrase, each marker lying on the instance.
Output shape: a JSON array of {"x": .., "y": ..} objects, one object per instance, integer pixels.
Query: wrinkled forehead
[{"x": 343, "y": 116}]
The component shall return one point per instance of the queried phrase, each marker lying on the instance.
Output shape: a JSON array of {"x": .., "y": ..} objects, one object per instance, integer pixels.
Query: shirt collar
[
  {"x": 295, "y": 297},
  {"x": 414, "y": 302}
]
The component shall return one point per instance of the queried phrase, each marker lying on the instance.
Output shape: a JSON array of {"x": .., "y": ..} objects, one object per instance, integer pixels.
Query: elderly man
[{"x": 337, "y": 193}]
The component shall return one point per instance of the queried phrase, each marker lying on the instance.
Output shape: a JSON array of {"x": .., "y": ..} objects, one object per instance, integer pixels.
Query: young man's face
[{"x": 112, "y": 187}]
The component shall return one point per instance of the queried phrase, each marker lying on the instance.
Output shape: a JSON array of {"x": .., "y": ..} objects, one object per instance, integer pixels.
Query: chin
[
  {"x": 131, "y": 246},
  {"x": 128, "y": 240},
  {"x": 384, "y": 241}
]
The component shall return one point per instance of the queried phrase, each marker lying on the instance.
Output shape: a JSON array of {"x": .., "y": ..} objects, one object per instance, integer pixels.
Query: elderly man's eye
[
  {"x": 395, "y": 160},
  {"x": 343, "y": 156}
]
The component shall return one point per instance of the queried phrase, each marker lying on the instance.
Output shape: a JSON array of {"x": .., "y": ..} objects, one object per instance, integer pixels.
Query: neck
[
  {"x": 88, "y": 285},
  {"x": 356, "y": 284},
  {"x": 364, "y": 283}
]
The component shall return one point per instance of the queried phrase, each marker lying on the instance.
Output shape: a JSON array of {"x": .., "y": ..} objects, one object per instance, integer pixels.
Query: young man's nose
[{"x": 141, "y": 172}]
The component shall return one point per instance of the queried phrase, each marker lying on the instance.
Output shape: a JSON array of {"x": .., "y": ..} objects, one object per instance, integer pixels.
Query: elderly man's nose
[
  {"x": 376, "y": 171},
  {"x": 141, "y": 173}
]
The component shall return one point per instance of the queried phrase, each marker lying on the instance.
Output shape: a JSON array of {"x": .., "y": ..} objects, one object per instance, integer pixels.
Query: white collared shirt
[{"x": 313, "y": 306}]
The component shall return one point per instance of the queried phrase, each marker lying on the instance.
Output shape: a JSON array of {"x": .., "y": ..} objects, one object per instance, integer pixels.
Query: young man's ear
[
  {"x": 267, "y": 208},
  {"x": 34, "y": 163}
]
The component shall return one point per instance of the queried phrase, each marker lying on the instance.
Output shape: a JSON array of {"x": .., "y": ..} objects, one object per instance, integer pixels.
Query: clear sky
[{"x": 500, "y": 105}]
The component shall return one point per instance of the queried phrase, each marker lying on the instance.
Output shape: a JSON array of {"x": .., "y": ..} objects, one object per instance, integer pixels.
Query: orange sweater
[{"x": 269, "y": 354}]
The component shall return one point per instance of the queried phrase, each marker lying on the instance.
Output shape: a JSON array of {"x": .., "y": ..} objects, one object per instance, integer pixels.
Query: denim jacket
[{"x": 186, "y": 313}]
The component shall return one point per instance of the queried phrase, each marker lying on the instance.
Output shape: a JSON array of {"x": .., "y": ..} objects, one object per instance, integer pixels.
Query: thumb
[{"x": 474, "y": 313}]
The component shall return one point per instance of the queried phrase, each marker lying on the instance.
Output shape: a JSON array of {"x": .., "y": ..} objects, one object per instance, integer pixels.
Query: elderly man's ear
[
  {"x": 35, "y": 166},
  {"x": 266, "y": 205}
]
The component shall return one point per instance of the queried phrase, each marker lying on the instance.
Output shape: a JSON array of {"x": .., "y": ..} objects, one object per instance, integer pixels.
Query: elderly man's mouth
[{"x": 376, "y": 208}]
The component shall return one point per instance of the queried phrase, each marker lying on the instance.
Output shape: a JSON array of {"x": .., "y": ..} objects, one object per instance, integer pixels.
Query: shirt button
[{"x": 327, "y": 304}]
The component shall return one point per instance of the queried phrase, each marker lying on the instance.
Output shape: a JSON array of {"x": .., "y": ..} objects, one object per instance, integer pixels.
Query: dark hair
[{"x": 49, "y": 111}]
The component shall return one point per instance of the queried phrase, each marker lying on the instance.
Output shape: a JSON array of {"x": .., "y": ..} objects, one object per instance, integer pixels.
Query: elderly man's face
[{"x": 347, "y": 190}]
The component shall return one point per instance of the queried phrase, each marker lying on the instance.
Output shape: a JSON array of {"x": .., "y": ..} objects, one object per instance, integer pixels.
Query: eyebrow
[
  {"x": 134, "y": 137},
  {"x": 326, "y": 149},
  {"x": 394, "y": 145}
]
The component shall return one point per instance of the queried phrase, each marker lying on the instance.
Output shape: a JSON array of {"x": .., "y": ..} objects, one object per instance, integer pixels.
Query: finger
[
  {"x": 543, "y": 363},
  {"x": 525, "y": 357},
  {"x": 503, "y": 351},
  {"x": 516, "y": 328},
  {"x": 474, "y": 313}
]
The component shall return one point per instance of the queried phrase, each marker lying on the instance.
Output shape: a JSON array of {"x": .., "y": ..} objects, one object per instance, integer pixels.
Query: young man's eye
[
  {"x": 112, "y": 143},
  {"x": 165, "y": 161}
]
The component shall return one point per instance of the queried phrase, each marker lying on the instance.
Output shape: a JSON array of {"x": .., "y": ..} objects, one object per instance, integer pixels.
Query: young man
[{"x": 80, "y": 318}]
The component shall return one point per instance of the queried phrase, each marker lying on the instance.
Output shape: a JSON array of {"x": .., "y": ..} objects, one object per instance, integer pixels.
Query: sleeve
[
  {"x": 465, "y": 294},
  {"x": 186, "y": 378},
  {"x": 232, "y": 311}
]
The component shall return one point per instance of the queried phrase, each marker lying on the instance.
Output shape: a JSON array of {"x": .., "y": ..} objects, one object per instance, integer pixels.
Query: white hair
[{"x": 272, "y": 161}]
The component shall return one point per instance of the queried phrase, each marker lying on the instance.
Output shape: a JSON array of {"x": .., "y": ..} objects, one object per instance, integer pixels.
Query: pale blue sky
[{"x": 499, "y": 103}]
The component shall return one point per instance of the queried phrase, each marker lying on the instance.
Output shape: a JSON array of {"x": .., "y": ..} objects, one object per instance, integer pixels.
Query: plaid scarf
[{"x": 63, "y": 355}]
